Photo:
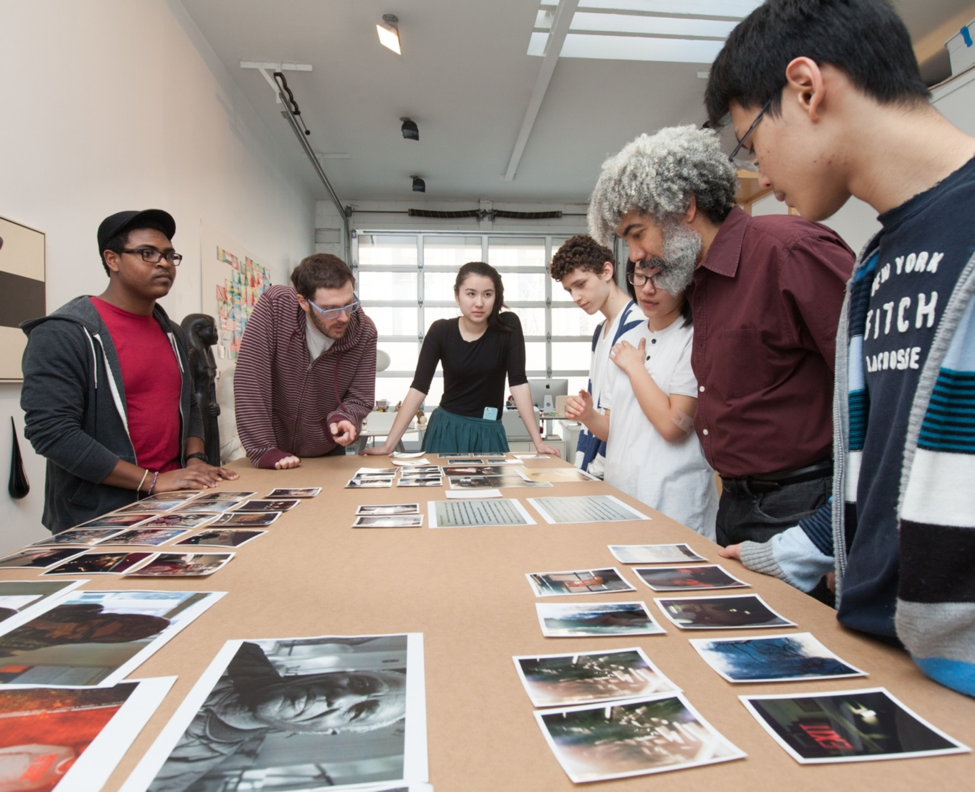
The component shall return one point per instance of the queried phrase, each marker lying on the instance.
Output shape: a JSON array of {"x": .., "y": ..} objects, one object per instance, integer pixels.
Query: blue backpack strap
[{"x": 626, "y": 324}]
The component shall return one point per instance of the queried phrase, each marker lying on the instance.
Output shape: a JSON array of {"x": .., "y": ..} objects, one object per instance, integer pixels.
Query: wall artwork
[{"x": 21, "y": 292}]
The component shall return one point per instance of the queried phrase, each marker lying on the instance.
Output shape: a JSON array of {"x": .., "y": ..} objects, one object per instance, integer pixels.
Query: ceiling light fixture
[
  {"x": 388, "y": 31},
  {"x": 409, "y": 129},
  {"x": 418, "y": 184}
]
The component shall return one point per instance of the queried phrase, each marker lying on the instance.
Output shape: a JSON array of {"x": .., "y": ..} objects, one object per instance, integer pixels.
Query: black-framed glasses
[
  {"x": 335, "y": 313},
  {"x": 750, "y": 129},
  {"x": 153, "y": 256},
  {"x": 638, "y": 279}
]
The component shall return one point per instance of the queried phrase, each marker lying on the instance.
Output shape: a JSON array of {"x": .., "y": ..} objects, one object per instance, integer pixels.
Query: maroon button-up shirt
[{"x": 766, "y": 302}]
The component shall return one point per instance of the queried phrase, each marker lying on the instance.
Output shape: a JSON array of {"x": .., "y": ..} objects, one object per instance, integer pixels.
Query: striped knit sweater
[{"x": 284, "y": 400}]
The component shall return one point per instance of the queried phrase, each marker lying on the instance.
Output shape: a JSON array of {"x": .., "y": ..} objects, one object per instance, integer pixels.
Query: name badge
[{"x": 490, "y": 413}]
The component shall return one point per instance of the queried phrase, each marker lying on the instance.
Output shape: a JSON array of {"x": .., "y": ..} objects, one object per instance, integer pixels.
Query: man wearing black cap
[{"x": 107, "y": 394}]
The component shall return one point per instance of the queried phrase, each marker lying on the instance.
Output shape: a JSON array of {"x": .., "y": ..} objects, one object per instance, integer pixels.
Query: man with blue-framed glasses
[{"x": 306, "y": 370}]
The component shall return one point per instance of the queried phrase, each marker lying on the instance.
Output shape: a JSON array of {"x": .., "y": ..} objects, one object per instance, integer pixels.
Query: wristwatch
[{"x": 198, "y": 455}]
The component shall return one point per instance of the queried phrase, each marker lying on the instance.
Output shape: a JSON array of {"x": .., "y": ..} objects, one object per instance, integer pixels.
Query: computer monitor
[{"x": 544, "y": 392}]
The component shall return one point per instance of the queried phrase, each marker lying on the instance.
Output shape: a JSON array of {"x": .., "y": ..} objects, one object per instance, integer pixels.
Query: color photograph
[
  {"x": 569, "y": 620},
  {"x": 226, "y": 495},
  {"x": 25, "y": 597},
  {"x": 294, "y": 492},
  {"x": 117, "y": 520},
  {"x": 245, "y": 519},
  {"x": 848, "y": 726},
  {"x": 190, "y": 519},
  {"x": 152, "y": 537},
  {"x": 324, "y": 712},
  {"x": 559, "y": 680},
  {"x": 630, "y": 738},
  {"x": 39, "y": 557},
  {"x": 678, "y": 578},
  {"x": 95, "y": 637},
  {"x": 747, "y": 611},
  {"x": 264, "y": 505},
  {"x": 773, "y": 658},
  {"x": 221, "y": 537},
  {"x": 100, "y": 563},
  {"x": 80, "y": 536},
  {"x": 556, "y": 475},
  {"x": 71, "y": 739},
  {"x": 183, "y": 565},
  {"x": 580, "y": 581},
  {"x": 208, "y": 506},
  {"x": 654, "y": 554}
]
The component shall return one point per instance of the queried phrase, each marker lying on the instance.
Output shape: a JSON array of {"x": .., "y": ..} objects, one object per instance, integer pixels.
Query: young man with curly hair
[
  {"x": 827, "y": 96},
  {"x": 586, "y": 271},
  {"x": 765, "y": 294}
]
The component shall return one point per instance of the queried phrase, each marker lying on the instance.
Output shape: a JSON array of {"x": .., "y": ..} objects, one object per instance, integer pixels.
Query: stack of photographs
[
  {"x": 393, "y": 515},
  {"x": 420, "y": 476},
  {"x": 372, "y": 478}
]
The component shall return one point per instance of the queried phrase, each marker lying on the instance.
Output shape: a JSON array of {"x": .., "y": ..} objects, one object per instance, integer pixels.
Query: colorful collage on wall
[{"x": 243, "y": 284}]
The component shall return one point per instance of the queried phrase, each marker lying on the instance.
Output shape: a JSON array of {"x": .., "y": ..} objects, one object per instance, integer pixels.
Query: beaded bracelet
[
  {"x": 144, "y": 476},
  {"x": 152, "y": 486}
]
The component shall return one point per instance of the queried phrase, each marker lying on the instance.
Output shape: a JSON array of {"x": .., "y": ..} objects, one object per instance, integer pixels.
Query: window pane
[
  {"x": 403, "y": 354},
  {"x": 438, "y": 286},
  {"x": 430, "y": 315},
  {"x": 524, "y": 286},
  {"x": 392, "y": 389},
  {"x": 450, "y": 251},
  {"x": 394, "y": 321},
  {"x": 516, "y": 252},
  {"x": 535, "y": 355},
  {"x": 376, "y": 250},
  {"x": 573, "y": 320},
  {"x": 571, "y": 355},
  {"x": 532, "y": 321},
  {"x": 380, "y": 286}
]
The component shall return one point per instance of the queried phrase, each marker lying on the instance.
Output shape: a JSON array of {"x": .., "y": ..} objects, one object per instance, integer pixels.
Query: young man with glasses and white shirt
[
  {"x": 765, "y": 293},
  {"x": 107, "y": 394},
  {"x": 306, "y": 370}
]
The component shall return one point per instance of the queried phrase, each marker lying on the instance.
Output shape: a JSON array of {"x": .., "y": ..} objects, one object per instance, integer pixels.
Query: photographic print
[
  {"x": 190, "y": 519},
  {"x": 654, "y": 554},
  {"x": 493, "y": 482},
  {"x": 183, "y": 565},
  {"x": 569, "y": 620},
  {"x": 471, "y": 513},
  {"x": 25, "y": 597},
  {"x": 38, "y": 558},
  {"x": 475, "y": 470},
  {"x": 705, "y": 576},
  {"x": 375, "y": 472},
  {"x": 71, "y": 739},
  {"x": 152, "y": 537},
  {"x": 580, "y": 581},
  {"x": 848, "y": 726},
  {"x": 100, "y": 563},
  {"x": 221, "y": 537},
  {"x": 154, "y": 504},
  {"x": 95, "y": 637},
  {"x": 558, "y": 680},
  {"x": 267, "y": 506},
  {"x": 328, "y": 712},
  {"x": 390, "y": 521},
  {"x": 772, "y": 658},
  {"x": 420, "y": 481},
  {"x": 556, "y": 475},
  {"x": 420, "y": 470},
  {"x": 294, "y": 492},
  {"x": 226, "y": 495},
  {"x": 369, "y": 483},
  {"x": 584, "y": 509},
  {"x": 117, "y": 520},
  {"x": 391, "y": 508},
  {"x": 413, "y": 461},
  {"x": 630, "y": 738},
  {"x": 732, "y": 612},
  {"x": 210, "y": 507},
  {"x": 80, "y": 536},
  {"x": 245, "y": 519}
]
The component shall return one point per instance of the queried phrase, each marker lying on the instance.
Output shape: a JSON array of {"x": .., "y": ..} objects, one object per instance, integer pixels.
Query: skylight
[{"x": 683, "y": 31}]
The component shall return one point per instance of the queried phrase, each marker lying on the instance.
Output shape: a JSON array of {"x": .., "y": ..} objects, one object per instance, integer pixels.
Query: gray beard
[{"x": 682, "y": 246}]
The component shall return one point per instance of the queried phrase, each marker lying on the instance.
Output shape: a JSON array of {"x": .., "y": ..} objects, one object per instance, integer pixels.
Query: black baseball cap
[{"x": 120, "y": 221}]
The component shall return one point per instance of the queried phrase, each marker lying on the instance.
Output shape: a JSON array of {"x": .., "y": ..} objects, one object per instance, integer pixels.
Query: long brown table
[{"x": 465, "y": 590}]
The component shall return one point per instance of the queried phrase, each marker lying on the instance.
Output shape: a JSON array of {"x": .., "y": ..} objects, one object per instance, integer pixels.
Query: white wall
[{"x": 110, "y": 105}]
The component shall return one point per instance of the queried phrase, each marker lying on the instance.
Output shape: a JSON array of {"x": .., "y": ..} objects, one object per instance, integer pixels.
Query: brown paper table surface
[{"x": 465, "y": 590}]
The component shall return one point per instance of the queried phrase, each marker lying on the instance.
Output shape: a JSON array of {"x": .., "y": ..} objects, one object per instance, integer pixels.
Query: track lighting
[
  {"x": 388, "y": 31},
  {"x": 418, "y": 184},
  {"x": 409, "y": 129}
]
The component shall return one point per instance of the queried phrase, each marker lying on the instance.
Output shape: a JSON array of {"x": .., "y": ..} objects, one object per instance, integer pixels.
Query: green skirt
[{"x": 448, "y": 433}]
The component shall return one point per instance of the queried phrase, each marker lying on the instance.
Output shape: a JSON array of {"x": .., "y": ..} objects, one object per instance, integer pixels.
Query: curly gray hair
[{"x": 657, "y": 174}]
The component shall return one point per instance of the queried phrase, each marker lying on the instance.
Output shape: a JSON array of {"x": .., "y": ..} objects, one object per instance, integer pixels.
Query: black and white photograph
[
  {"x": 560, "y": 680},
  {"x": 631, "y": 738},
  {"x": 731, "y": 612},
  {"x": 294, "y": 492},
  {"x": 240, "y": 519},
  {"x": 573, "y": 620},
  {"x": 329, "y": 712},
  {"x": 374, "y": 483},
  {"x": 376, "y": 509},
  {"x": 420, "y": 481},
  {"x": 389, "y": 521},
  {"x": 654, "y": 554},
  {"x": 578, "y": 581}
]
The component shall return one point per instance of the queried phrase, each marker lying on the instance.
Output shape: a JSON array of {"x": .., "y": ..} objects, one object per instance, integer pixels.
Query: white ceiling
[{"x": 466, "y": 79}]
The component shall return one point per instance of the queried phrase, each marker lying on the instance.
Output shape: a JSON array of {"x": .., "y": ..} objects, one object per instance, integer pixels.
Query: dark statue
[{"x": 201, "y": 331}]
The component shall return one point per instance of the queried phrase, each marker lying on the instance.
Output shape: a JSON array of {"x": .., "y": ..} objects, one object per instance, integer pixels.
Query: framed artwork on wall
[{"x": 22, "y": 293}]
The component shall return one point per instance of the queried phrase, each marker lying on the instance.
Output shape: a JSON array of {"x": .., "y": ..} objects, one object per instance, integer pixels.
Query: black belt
[{"x": 767, "y": 482}]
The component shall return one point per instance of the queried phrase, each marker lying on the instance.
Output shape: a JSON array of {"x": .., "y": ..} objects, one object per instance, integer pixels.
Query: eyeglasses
[
  {"x": 744, "y": 137},
  {"x": 335, "y": 313},
  {"x": 153, "y": 256},
  {"x": 638, "y": 279}
]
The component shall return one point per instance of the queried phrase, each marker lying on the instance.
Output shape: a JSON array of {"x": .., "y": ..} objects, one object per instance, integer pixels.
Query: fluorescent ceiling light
[
  {"x": 388, "y": 31},
  {"x": 638, "y": 48},
  {"x": 698, "y": 8},
  {"x": 652, "y": 26}
]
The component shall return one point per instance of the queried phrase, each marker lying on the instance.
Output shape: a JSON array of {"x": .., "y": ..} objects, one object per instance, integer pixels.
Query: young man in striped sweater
[
  {"x": 827, "y": 95},
  {"x": 306, "y": 372}
]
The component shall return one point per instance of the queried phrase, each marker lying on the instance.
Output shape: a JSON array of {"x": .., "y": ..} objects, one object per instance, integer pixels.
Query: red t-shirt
[{"x": 151, "y": 378}]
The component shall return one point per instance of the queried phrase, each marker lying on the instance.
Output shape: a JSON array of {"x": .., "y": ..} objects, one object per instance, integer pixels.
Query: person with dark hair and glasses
[
  {"x": 649, "y": 400},
  {"x": 765, "y": 293},
  {"x": 478, "y": 350},
  {"x": 107, "y": 394},
  {"x": 832, "y": 94},
  {"x": 306, "y": 370}
]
